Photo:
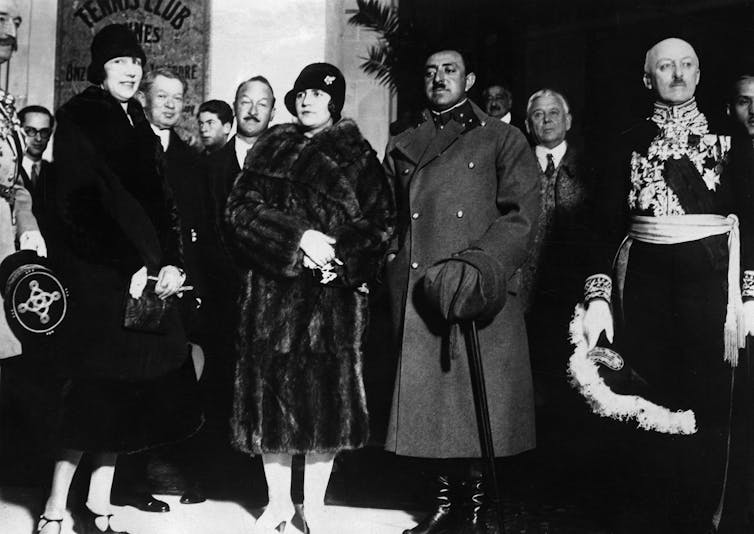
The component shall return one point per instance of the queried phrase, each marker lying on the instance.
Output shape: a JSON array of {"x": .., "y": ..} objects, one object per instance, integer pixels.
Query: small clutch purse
[{"x": 147, "y": 313}]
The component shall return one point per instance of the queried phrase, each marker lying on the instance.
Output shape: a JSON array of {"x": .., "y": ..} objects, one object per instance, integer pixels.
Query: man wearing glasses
[{"x": 37, "y": 123}]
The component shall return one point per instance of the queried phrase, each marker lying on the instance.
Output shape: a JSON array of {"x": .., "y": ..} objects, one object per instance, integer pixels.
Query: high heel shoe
[
  {"x": 92, "y": 517},
  {"x": 44, "y": 522},
  {"x": 274, "y": 519}
]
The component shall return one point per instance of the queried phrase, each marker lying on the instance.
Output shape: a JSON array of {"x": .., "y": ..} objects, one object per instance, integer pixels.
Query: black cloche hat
[
  {"x": 322, "y": 76},
  {"x": 115, "y": 40}
]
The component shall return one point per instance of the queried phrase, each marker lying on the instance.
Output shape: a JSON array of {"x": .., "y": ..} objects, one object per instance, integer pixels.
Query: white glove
[
  {"x": 597, "y": 319},
  {"x": 138, "y": 283},
  {"x": 33, "y": 240},
  {"x": 169, "y": 281},
  {"x": 308, "y": 263},
  {"x": 749, "y": 317},
  {"x": 318, "y": 246}
]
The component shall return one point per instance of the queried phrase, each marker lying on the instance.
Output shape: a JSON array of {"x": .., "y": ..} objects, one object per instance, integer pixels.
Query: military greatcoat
[{"x": 473, "y": 183}]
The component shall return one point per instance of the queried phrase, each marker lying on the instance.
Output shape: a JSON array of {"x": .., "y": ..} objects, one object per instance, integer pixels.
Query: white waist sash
[{"x": 674, "y": 229}]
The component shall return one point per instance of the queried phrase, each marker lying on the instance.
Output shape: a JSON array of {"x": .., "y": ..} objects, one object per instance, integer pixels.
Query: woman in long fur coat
[{"x": 309, "y": 218}]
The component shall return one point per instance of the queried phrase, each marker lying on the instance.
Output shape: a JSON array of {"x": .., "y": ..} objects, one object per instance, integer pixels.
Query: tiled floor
[{"x": 211, "y": 517}]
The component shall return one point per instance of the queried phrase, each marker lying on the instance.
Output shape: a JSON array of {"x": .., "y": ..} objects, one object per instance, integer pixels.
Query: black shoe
[
  {"x": 443, "y": 519},
  {"x": 145, "y": 502},
  {"x": 193, "y": 495},
  {"x": 90, "y": 520}
]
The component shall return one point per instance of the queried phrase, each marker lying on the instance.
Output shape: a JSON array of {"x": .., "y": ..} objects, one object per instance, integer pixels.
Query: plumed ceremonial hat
[
  {"x": 322, "y": 76},
  {"x": 35, "y": 299},
  {"x": 615, "y": 390},
  {"x": 115, "y": 40},
  {"x": 466, "y": 287}
]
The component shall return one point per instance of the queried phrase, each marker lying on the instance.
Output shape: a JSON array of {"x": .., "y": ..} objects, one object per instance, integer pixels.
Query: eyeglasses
[{"x": 44, "y": 133}]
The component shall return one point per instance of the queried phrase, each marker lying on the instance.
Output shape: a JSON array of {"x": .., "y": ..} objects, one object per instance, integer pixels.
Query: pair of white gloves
[
  {"x": 169, "y": 282},
  {"x": 598, "y": 318},
  {"x": 318, "y": 249}
]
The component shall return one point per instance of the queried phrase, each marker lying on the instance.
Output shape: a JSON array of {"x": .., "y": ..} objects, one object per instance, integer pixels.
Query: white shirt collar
[
  {"x": 27, "y": 163},
  {"x": 506, "y": 118},
  {"x": 242, "y": 148},
  {"x": 164, "y": 136},
  {"x": 557, "y": 154}
]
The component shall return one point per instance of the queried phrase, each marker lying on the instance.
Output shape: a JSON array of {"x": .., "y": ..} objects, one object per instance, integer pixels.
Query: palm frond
[
  {"x": 376, "y": 16},
  {"x": 379, "y": 63},
  {"x": 381, "y": 58}
]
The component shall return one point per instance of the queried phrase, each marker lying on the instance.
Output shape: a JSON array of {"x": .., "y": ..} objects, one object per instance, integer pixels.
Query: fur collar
[{"x": 285, "y": 152}]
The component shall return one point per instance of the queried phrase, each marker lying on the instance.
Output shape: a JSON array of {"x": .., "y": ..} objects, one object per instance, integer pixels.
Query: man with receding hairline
[{"x": 681, "y": 195}]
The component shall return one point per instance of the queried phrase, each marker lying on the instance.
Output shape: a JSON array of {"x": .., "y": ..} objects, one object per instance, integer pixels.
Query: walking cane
[{"x": 483, "y": 417}]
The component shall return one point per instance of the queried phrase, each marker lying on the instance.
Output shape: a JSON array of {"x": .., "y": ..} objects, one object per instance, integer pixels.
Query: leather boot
[
  {"x": 443, "y": 519},
  {"x": 478, "y": 515}
]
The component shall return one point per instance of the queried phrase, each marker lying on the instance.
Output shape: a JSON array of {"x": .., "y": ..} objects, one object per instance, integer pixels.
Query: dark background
[{"x": 590, "y": 50}]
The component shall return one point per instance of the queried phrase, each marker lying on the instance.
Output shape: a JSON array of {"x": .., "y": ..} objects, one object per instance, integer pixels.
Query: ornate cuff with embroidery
[
  {"x": 598, "y": 286},
  {"x": 747, "y": 285}
]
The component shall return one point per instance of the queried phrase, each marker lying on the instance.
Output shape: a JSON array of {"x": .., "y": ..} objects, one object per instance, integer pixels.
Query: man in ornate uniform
[
  {"x": 21, "y": 396},
  {"x": 677, "y": 297},
  {"x": 16, "y": 219}
]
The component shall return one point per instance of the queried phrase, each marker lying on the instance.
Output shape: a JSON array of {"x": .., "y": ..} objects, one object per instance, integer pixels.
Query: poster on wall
[{"x": 173, "y": 33}]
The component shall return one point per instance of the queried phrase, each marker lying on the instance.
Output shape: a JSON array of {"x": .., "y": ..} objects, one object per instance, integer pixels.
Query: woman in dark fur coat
[
  {"x": 128, "y": 390},
  {"x": 309, "y": 218}
]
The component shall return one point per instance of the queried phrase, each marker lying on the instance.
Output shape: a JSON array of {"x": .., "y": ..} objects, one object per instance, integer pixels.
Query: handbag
[{"x": 147, "y": 313}]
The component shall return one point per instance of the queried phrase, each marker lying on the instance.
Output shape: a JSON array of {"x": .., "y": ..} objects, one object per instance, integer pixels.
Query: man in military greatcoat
[{"x": 468, "y": 197}]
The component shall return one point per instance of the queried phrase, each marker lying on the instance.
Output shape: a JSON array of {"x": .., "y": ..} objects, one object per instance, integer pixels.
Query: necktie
[
  {"x": 35, "y": 173},
  {"x": 550, "y": 170}
]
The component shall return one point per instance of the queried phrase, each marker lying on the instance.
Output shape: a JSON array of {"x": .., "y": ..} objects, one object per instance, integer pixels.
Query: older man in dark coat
[{"x": 467, "y": 187}]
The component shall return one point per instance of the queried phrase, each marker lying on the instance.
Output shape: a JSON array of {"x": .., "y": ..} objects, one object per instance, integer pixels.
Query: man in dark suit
[
  {"x": 468, "y": 199},
  {"x": 558, "y": 264},
  {"x": 254, "y": 107},
  {"x": 162, "y": 95},
  {"x": 37, "y": 123}
]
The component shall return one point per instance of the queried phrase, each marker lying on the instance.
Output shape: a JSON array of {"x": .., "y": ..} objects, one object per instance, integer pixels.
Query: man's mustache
[
  {"x": 251, "y": 117},
  {"x": 438, "y": 85},
  {"x": 9, "y": 40}
]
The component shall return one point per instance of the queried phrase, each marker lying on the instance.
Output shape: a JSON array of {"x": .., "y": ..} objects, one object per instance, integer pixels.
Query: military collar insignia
[{"x": 462, "y": 113}]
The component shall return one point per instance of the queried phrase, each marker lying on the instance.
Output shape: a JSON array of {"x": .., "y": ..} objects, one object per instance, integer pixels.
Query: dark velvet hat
[
  {"x": 466, "y": 287},
  {"x": 115, "y": 40},
  {"x": 322, "y": 76}
]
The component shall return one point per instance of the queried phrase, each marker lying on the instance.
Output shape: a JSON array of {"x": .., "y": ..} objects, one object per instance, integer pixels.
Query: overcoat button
[
  {"x": 414, "y": 265},
  {"x": 459, "y": 213},
  {"x": 405, "y": 171},
  {"x": 414, "y": 215},
  {"x": 471, "y": 165}
]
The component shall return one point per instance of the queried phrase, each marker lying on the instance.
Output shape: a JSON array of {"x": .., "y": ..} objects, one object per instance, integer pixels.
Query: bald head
[
  {"x": 670, "y": 46},
  {"x": 671, "y": 70}
]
